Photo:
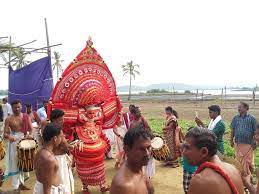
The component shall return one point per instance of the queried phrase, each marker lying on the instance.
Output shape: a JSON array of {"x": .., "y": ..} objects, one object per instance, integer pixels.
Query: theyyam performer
[{"x": 87, "y": 94}]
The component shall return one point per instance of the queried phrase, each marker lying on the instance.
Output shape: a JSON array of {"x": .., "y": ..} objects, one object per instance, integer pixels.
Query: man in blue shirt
[
  {"x": 243, "y": 127},
  {"x": 42, "y": 112}
]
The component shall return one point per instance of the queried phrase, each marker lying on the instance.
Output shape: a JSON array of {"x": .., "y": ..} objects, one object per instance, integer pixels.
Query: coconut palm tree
[
  {"x": 57, "y": 64},
  {"x": 17, "y": 53},
  {"x": 130, "y": 69}
]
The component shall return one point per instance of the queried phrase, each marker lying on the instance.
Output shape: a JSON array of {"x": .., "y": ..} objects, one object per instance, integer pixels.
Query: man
[
  {"x": 130, "y": 177},
  {"x": 7, "y": 109},
  {"x": 42, "y": 112},
  {"x": 216, "y": 125},
  {"x": 213, "y": 176},
  {"x": 32, "y": 114},
  {"x": 35, "y": 120},
  {"x": 243, "y": 127},
  {"x": 60, "y": 152},
  {"x": 128, "y": 116},
  {"x": 46, "y": 165},
  {"x": 16, "y": 127},
  {"x": 139, "y": 120},
  {"x": 247, "y": 182}
]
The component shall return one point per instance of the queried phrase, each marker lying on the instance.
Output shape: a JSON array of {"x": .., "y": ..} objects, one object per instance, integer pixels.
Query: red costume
[{"x": 87, "y": 94}]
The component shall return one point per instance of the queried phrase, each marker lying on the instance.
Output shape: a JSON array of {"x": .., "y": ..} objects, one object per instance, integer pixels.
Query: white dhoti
[
  {"x": 150, "y": 169},
  {"x": 36, "y": 133},
  {"x": 65, "y": 172},
  {"x": 61, "y": 189},
  {"x": 12, "y": 161},
  {"x": 111, "y": 136}
]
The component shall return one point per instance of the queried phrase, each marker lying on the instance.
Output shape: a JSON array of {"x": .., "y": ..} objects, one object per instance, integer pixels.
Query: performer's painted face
[
  {"x": 140, "y": 152},
  {"x": 94, "y": 114}
]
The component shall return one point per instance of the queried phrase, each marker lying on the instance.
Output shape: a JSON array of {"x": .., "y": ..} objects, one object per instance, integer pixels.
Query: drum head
[
  {"x": 27, "y": 144},
  {"x": 157, "y": 143}
]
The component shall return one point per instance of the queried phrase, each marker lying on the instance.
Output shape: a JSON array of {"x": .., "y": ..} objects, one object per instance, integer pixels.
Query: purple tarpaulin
[{"x": 31, "y": 84}]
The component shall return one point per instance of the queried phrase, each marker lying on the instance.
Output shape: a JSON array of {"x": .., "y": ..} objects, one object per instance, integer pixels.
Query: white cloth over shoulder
[
  {"x": 150, "y": 169},
  {"x": 214, "y": 122},
  {"x": 65, "y": 172},
  {"x": 61, "y": 189}
]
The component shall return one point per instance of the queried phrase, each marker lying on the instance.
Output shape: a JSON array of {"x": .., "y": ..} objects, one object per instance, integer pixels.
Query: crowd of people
[{"x": 199, "y": 151}]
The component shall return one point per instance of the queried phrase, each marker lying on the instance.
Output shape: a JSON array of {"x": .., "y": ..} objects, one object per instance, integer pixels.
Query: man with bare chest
[
  {"x": 60, "y": 152},
  {"x": 46, "y": 164},
  {"x": 130, "y": 177},
  {"x": 17, "y": 126},
  {"x": 212, "y": 176}
]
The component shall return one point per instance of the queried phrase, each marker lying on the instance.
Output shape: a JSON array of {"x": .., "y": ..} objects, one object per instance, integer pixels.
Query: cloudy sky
[{"x": 193, "y": 42}]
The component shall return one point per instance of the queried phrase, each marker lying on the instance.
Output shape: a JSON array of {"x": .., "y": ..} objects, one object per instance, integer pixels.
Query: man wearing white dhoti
[
  {"x": 16, "y": 126},
  {"x": 111, "y": 136},
  {"x": 60, "y": 152},
  {"x": 46, "y": 164}
]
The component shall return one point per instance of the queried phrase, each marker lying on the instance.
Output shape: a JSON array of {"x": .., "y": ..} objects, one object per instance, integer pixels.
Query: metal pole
[
  {"x": 47, "y": 37},
  {"x": 222, "y": 91},
  {"x": 225, "y": 95}
]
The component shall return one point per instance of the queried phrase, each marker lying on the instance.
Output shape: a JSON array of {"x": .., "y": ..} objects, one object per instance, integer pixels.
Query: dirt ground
[{"x": 167, "y": 180}]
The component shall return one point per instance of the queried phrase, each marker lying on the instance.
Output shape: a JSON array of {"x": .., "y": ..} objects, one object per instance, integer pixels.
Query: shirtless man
[
  {"x": 46, "y": 165},
  {"x": 200, "y": 150},
  {"x": 16, "y": 127},
  {"x": 130, "y": 177},
  {"x": 60, "y": 152}
]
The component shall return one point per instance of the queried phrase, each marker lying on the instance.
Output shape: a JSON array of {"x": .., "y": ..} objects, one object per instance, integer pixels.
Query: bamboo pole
[{"x": 47, "y": 37}]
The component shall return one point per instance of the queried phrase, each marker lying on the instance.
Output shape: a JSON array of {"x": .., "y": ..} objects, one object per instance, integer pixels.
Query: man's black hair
[
  {"x": 28, "y": 105},
  {"x": 215, "y": 108},
  {"x": 171, "y": 110},
  {"x": 203, "y": 138},
  {"x": 55, "y": 114},
  {"x": 15, "y": 102},
  {"x": 45, "y": 101},
  {"x": 133, "y": 134},
  {"x": 51, "y": 130},
  {"x": 245, "y": 105}
]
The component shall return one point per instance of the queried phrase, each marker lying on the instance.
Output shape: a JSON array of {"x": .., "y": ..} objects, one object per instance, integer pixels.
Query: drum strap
[{"x": 219, "y": 171}]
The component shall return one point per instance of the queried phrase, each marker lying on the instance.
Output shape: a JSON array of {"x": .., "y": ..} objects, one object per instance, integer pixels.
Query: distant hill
[
  {"x": 181, "y": 86},
  {"x": 165, "y": 86}
]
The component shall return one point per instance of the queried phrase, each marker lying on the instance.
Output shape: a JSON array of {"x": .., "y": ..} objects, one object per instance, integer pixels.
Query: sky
[{"x": 193, "y": 42}]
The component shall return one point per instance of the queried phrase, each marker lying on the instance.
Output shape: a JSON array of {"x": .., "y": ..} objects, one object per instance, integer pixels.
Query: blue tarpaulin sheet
[{"x": 31, "y": 84}]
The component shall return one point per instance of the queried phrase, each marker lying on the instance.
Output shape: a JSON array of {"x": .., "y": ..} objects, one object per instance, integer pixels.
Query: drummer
[{"x": 16, "y": 126}]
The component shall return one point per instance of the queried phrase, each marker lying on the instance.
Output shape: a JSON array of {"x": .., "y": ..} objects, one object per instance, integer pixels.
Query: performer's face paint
[
  {"x": 140, "y": 152},
  {"x": 194, "y": 155}
]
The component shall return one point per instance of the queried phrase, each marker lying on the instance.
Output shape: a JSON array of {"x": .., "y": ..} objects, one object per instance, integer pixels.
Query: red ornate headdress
[{"x": 88, "y": 81}]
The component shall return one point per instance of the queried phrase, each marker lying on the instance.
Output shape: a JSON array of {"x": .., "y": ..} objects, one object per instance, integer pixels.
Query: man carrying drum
[{"x": 16, "y": 127}]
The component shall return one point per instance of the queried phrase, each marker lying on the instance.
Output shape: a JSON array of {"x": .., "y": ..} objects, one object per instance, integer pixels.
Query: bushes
[{"x": 157, "y": 125}]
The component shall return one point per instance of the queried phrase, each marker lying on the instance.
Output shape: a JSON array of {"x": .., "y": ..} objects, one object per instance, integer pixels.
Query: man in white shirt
[
  {"x": 42, "y": 112},
  {"x": 7, "y": 109}
]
